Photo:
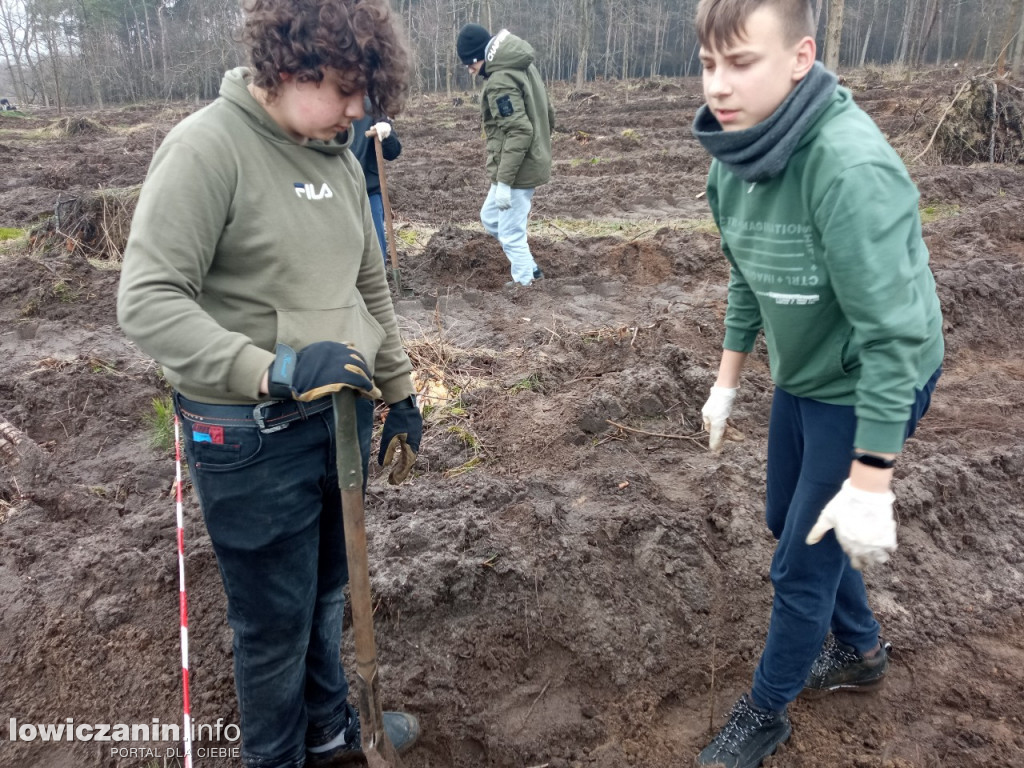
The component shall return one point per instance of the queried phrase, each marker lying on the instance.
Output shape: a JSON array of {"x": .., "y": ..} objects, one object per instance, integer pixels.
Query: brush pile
[
  {"x": 94, "y": 225},
  {"x": 984, "y": 123}
]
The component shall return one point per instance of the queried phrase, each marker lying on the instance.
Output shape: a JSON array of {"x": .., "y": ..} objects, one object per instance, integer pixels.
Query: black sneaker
[
  {"x": 751, "y": 735},
  {"x": 840, "y": 667},
  {"x": 402, "y": 729},
  {"x": 537, "y": 274}
]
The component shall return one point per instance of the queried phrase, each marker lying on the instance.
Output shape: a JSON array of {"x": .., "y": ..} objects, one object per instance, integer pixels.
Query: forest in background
[{"x": 99, "y": 52}]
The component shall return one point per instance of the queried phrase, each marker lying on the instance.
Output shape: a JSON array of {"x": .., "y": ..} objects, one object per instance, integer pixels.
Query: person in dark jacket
[
  {"x": 364, "y": 150},
  {"x": 518, "y": 121}
]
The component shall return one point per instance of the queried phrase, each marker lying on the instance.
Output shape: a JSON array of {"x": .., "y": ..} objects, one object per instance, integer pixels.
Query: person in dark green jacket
[
  {"x": 819, "y": 222},
  {"x": 518, "y": 121},
  {"x": 252, "y": 274}
]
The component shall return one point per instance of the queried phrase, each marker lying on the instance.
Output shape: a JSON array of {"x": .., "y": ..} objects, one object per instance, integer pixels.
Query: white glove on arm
[
  {"x": 863, "y": 523},
  {"x": 715, "y": 412},
  {"x": 382, "y": 128},
  {"x": 503, "y": 197}
]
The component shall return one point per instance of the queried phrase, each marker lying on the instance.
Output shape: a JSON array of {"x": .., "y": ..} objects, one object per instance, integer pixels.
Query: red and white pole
[{"x": 182, "y": 600}]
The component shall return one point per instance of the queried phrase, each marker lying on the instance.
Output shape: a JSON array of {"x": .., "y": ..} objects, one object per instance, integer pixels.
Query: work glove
[
  {"x": 503, "y": 197},
  {"x": 863, "y": 523},
  {"x": 403, "y": 430},
  {"x": 715, "y": 412},
  {"x": 320, "y": 369},
  {"x": 383, "y": 129}
]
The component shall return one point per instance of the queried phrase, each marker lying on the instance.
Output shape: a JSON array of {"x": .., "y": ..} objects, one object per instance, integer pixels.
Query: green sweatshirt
[
  {"x": 244, "y": 237},
  {"x": 517, "y": 115},
  {"x": 828, "y": 258}
]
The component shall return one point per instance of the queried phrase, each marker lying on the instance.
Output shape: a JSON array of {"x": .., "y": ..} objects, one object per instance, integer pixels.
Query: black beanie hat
[{"x": 472, "y": 43}]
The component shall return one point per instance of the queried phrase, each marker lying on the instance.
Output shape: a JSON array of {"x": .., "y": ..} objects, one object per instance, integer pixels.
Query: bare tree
[
  {"x": 17, "y": 32},
  {"x": 1017, "y": 62},
  {"x": 586, "y": 22},
  {"x": 867, "y": 34},
  {"x": 833, "y": 34},
  {"x": 931, "y": 11}
]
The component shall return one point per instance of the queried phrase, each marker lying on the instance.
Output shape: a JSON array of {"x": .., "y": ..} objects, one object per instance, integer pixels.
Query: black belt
[{"x": 266, "y": 416}]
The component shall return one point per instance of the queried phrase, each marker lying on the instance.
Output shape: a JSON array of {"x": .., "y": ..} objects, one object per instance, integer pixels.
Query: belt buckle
[{"x": 258, "y": 417}]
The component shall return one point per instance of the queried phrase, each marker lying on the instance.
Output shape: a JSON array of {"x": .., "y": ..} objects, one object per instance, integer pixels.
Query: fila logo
[{"x": 309, "y": 192}]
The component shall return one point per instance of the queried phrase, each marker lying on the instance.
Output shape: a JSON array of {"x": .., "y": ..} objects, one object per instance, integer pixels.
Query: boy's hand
[
  {"x": 715, "y": 412},
  {"x": 320, "y": 369},
  {"x": 382, "y": 128},
  {"x": 403, "y": 430},
  {"x": 863, "y": 523},
  {"x": 503, "y": 197}
]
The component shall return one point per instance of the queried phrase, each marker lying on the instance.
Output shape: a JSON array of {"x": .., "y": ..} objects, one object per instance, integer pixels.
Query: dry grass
[
  {"x": 444, "y": 373},
  {"x": 77, "y": 126}
]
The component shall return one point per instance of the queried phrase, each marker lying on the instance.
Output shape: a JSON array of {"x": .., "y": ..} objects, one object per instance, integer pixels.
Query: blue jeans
[
  {"x": 509, "y": 226},
  {"x": 810, "y": 446},
  {"x": 377, "y": 212},
  {"x": 272, "y": 506}
]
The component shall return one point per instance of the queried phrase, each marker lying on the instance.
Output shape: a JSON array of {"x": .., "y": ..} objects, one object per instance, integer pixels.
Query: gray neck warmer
[{"x": 761, "y": 152}]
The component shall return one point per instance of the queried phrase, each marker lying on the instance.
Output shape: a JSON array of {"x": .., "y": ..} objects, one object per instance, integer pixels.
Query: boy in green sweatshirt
[
  {"x": 819, "y": 222},
  {"x": 253, "y": 275}
]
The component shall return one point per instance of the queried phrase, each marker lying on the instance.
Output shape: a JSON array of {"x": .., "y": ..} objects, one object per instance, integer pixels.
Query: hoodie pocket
[
  {"x": 352, "y": 324},
  {"x": 849, "y": 356}
]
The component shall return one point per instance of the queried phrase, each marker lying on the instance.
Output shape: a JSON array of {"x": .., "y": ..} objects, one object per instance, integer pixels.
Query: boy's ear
[{"x": 806, "y": 50}]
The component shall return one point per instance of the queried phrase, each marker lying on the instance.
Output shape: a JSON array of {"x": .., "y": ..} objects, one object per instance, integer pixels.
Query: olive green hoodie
[
  {"x": 828, "y": 258},
  {"x": 244, "y": 237},
  {"x": 517, "y": 115}
]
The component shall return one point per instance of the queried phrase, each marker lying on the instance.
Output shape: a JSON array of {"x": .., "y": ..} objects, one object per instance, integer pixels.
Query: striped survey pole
[{"x": 182, "y": 600}]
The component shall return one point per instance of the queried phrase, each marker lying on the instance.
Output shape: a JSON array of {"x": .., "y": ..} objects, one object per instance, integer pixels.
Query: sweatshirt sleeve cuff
[
  {"x": 739, "y": 341},
  {"x": 396, "y": 389},
  {"x": 247, "y": 371},
  {"x": 880, "y": 436}
]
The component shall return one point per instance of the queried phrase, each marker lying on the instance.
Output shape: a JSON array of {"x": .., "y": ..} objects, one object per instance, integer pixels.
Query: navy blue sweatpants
[{"x": 810, "y": 444}]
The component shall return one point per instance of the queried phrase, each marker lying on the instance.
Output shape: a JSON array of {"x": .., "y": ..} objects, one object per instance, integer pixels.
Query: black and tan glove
[
  {"x": 403, "y": 430},
  {"x": 320, "y": 369}
]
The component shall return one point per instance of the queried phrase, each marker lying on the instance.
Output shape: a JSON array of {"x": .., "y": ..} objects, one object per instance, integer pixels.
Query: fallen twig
[
  {"x": 555, "y": 226},
  {"x": 696, "y": 437},
  {"x": 941, "y": 121},
  {"x": 645, "y": 232},
  {"x": 530, "y": 710}
]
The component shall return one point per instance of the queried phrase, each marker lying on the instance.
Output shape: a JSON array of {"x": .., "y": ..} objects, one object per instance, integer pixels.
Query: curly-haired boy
[{"x": 253, "y": 275}]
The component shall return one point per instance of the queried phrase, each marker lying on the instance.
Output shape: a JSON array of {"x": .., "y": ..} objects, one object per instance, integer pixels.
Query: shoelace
[
  {"x": 743, "y": 721},
  {"x": 834, "y": 657}
]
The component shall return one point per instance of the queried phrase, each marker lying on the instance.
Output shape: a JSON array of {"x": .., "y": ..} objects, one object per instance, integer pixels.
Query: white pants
[{"x": 509, "y": 226}]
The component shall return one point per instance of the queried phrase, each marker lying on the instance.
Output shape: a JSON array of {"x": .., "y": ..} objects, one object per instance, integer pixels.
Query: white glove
[
  {"x": 382, "y": 128},
  {"x": 863, "y": 523},
  {"x": 503, "y": 197},
  {"x": 715, "y": 411}
]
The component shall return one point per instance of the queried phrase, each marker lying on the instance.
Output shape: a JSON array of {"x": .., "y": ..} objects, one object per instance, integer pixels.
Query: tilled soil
[{"x": 570, "y": 578}]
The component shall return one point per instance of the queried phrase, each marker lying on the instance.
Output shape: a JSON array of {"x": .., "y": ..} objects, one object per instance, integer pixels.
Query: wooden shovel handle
[
  {"x": 378, "y": 749},
  {"x": 389, "y": 224}
]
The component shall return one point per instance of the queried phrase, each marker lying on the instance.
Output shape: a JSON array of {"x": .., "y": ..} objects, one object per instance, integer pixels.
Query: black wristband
[
  {"x": 281, "y": 372},
  {"x": 870, "y": 460},
  {"x": 409, "y": 402}
]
